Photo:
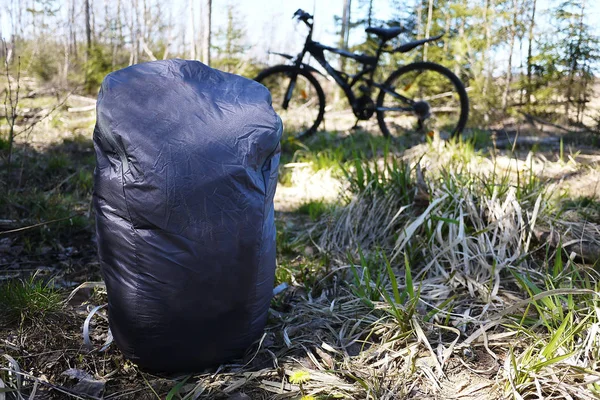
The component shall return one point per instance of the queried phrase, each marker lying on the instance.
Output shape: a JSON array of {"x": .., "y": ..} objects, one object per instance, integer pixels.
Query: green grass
[
  {"x": 65, "y": 215},
  {"x": 477, "y": 138},
  {"x": 83, "y": 181},
  {"x": 51, "y": 191},
  {"x": 376, "y": 281},
  {"x": 323, "y": 159},
  {"x": 28, "y": 300},
  {"x": 37, "y": 102},
  {"x": 57, "y": 163},
  {"x": 365, "y": 176},
  {"x": 327, "y": 150},
  {"x": 315, "y": 209},
  {"x": 557, "y": 332},
  {"x": 587, "y": 208},
  {"x": 285, "y": 239}
]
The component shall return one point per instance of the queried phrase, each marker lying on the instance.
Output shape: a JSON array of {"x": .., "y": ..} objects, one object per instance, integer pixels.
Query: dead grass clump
[{"x": 470, "y": 243}]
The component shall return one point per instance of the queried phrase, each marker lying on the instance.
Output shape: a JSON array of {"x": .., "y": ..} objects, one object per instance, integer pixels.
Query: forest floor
[{"x": 415, "y": 269}]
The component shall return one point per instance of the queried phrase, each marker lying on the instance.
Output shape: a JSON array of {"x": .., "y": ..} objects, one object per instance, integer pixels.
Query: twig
[
  {"x": 55, "y": 188},
  {"x": 30, "y": 127},
  {"x": 147, "y": 50},
  {"x": 13, "y": 112},
  {"x": 82, "y": 109},
  {"x": 149, "y": 385},
  {"x": 36, "y": 225},
  {"x": 83, "y": 98},
  {"x": 126, "y": 393},
  {"x": 544, "y": 122}
]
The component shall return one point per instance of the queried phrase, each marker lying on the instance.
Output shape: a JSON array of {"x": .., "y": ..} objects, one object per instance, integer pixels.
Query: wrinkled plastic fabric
[{"x": 186, "y": 172}]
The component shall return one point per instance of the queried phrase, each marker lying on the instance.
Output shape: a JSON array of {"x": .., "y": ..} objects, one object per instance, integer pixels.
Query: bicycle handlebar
[{"x": 302, "y": 16}]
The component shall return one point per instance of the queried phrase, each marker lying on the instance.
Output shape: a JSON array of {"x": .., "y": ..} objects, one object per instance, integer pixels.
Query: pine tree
[{"x": 230, "y": 46}]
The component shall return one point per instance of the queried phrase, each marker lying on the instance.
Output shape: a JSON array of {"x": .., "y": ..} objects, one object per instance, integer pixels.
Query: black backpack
[{"x": 187, "y": 160}]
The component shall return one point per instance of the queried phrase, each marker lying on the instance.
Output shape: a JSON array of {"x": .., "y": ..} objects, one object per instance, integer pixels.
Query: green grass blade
[
  {"x": 175, "y": 390},
  {"x": 551, "y": 361},
  {"x": 393, "y": 280},
  {"x": 558, "y": 262},
  {"x": 552, "y": 346},
  {"x": 408, "y": 277}
]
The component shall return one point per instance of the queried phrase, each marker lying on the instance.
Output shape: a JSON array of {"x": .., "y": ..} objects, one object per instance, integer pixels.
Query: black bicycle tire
[
  {"x": 460, "y": 88},
  {"x": 320, "y": 94}
]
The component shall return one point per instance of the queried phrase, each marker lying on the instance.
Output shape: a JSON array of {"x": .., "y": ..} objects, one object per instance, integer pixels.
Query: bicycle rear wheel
[
  {"x": 422, "y": 97},
  {"x": 296, "y": 96}
]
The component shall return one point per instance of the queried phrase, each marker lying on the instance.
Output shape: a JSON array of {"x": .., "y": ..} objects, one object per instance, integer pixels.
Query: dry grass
[{"x": 440, "y": 272}]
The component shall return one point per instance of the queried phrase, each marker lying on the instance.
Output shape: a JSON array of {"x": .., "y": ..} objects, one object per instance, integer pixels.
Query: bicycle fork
[{"x": 289, "y": 91}]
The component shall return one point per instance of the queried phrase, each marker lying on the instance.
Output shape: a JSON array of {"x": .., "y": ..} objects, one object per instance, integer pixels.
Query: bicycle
[{"x": 422, "y": 96}]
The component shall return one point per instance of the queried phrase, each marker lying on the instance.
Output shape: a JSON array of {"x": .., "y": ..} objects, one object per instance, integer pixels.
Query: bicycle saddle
[{"x": 385, "y": 33}]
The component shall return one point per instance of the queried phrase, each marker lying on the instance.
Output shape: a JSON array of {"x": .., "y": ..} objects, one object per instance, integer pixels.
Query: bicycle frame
[{"x": 369, "y": 65}]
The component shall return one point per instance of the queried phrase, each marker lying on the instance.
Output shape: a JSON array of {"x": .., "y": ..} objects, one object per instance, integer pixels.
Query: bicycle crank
[{"x": 365, "y": 107}]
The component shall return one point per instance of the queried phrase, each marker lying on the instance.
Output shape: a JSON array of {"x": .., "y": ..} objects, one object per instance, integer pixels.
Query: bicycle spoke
[
  {"x": 295, "y": 98},
  {"x": 435, "y": 103},
  {"x": 289, "y": 92},
  {"x": 398, "y": 96},
  {"x": 405, "y": 109}
]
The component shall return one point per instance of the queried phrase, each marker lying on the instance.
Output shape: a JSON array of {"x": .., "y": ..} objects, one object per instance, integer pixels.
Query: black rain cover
[{"x": 186, "y": 172}]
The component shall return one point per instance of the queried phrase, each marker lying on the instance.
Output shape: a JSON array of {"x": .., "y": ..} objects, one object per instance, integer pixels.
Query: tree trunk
[
  {"x": 33, "y": 19},
  {"x": 488, "y": 16},
  {"x": 513, "y": 35},
  {"x": 73, "y": 30},
  {"x": 169, "y": 34},
  {"x": 193, "y": 30},
  {"x": 460, "y": 55},
  {"x": 147, "y": 22},
  {"x": 344, "y": 32},
  {"x": 428, "y": 27},
  {"x": 88, "y": 34},
  {"x": 521, "y": 89},
  {"x": 119, "y": 30},
  {"x": 20, "y": 19},
  {"x": 88, "y": 28},
  {"x": 447, "y": 42},
  {"x": 133, "y": 30},
  {"x": 137, "y": 32},
  {"x": 93, "y": 21},
  {"x": 67, "y": 57},
  {"x": 206, "y": 31},
  {"x": 530, "y": 56},
  {"x": 574, "y": 63},
  {"x": 419, "y": 18}
]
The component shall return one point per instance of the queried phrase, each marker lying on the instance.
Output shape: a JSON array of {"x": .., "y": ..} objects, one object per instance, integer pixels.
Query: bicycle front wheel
[
  {"x": 296, "y": 96},
  {"x": 422, "y": 97}
]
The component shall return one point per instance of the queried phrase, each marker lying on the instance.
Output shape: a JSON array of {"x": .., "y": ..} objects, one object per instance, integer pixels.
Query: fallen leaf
[{"x": 87, "y": 385}]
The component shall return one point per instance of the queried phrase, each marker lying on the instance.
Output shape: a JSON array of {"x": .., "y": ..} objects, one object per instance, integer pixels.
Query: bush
[{"x": 98, "y": 66}]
